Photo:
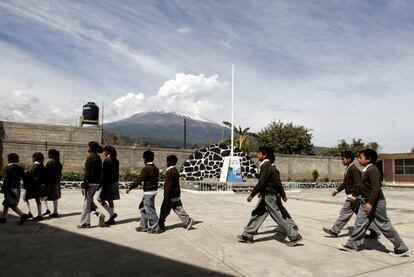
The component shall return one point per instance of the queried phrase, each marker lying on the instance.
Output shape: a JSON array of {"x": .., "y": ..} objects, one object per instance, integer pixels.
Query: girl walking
[{"x": 109, "y": 183}]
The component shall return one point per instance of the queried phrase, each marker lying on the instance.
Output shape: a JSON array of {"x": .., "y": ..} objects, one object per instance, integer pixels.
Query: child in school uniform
[
  {"x": 92, "y": 179},
  {"x": 32, "y": 183},
  {"x": 352, "y": 178},
  {"x": 11, "y": 189},
  {"x": 109, "y": 183},
  {"x": 269, "y": 186},
  {"x": 261, "y": 211},
  {"x": 372, "y": 208},
  {"x": 149, "y": 177},
  {"x": 53, "y": 176},
  {"x": 172, "y": 195}
]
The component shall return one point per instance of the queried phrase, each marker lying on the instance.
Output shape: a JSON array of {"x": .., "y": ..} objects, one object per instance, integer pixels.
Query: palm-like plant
[{"x": 242, "y": 137}]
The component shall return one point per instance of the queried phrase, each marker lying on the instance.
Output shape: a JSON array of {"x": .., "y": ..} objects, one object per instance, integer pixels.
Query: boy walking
[
  {"x": 11, "y": 189},
  {"x": 269, "y": 186},
  {"x": 372, "y": 208},
  {"x": 149, "y": 177},
  {"x": 172, "y": 195},
  {"x": 352, "y": 178}
]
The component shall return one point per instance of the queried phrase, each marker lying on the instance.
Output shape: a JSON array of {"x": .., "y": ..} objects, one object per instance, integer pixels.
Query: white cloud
[
  {"x": 24, "y": 105},
  {"x": 193, "y": 95},
  {"x": 184, "y": 30}
]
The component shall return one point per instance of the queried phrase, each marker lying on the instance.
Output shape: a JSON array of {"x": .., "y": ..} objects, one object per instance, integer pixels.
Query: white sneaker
[
  {"x": 101, "y": 220},
  {"x": 345, "y": 247},
  {"x": 190, "y": 224}
]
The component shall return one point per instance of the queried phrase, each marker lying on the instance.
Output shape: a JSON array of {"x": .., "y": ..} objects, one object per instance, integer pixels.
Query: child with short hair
[
  {"x": 352, "y": 178},
  {"x": 11, "y": 189},
  {"x": 149, "y": 177},
  {"x": 33, "y": 180},
  {"x": 269, "y": 186},
  {"x": 172, "y": 195},
  {"x": 372, "y": 208},
  {"x": 92, "y": 179}
]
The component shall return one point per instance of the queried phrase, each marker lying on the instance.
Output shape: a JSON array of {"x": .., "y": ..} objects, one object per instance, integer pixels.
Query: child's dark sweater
[
  {"x": 149, "y": 176},
  {"x": 370, "y": 185},
  {"x": 172, "y": 184},
  {"x": 13, "y": 178},
  {"x": 352, "y": 179},
  {"x": 269, "y": 181}
]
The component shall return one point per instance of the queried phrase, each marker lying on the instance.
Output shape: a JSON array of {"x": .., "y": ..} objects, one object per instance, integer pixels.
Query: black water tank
[{"x": 90, "y": 112}]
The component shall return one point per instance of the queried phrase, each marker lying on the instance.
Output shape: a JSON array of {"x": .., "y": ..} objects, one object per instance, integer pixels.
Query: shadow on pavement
[{"x": 59, "y": 252}]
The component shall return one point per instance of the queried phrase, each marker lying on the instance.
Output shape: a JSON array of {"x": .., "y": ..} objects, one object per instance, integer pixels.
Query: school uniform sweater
[
  {"x": 172, "y": 184},
  {"x": 34, "y": 178},
  {"x": 149, "y": 176},
  {"x": 110, "y": 171},
  {"x": 13, "y": 178},
  {"x": 351, "y": 180},
  {"x": 269, "y": 181},
  {"x": 93, "y": 169},
  {"x": 53, "y": 172},
  {"x": 370, "y": 185}
]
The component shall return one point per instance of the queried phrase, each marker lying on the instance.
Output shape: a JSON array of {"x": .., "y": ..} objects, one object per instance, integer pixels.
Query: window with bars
[{"x": 404, "y": 166}]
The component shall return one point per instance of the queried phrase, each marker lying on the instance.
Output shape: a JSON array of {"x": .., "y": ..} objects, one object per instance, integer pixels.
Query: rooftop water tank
[{"x": 90, "y": 114}]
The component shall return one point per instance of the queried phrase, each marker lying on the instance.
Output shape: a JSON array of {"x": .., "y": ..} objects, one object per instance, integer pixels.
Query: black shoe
[
  {"x": 242, "y": 238},
  {"x": 399, "y": 253},
  {"x": 23, "y": 219},
  {"x": 84, "y": 226},
  {"x": 372, "y": 235},
  {"x": 295, "y": 242},
  {"x": 54, "y": 215},
  {"x": 30, "y": 215},
  {"x": 46, "y": 213},
  {"x": 330, "y": 232},
  {"x": 140, "y": 229},
  {"x": 38, "y": 218},
  {"x": 110, "y": 222},
  {"x": 112, "y": 218},
  {"x": 3, "y": 220}
]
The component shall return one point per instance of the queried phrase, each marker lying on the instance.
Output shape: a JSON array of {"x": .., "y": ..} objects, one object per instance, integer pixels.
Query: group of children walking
[
  {"x": 364, "y": 196},
  {"x": 149, "y": 178},
  {"x": 41, "y": 183},
  {"x": 105, "y": 176}
]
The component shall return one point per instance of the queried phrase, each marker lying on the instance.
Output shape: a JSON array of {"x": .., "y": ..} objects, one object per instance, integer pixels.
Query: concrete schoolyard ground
[{"x": 55, "y": 247}]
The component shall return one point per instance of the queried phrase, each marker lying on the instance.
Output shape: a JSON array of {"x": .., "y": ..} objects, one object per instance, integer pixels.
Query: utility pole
[{"x": 185, "y": 133}]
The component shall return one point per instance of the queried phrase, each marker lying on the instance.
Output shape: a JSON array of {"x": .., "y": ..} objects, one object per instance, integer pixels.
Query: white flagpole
[{"x": 232, "y": 110}]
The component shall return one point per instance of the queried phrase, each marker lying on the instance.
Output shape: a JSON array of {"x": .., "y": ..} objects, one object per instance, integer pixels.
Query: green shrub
[
  {"x": 72, "y": 176},
  {"x": 129, "y": 175},
  {"x": 162, "y": 175},
  {"x": 2, "y": 174},
  {"x": 315, "y": 175}
]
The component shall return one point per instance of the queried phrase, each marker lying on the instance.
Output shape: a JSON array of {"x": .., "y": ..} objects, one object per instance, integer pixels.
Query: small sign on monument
[{"x": 231, "y": 171}]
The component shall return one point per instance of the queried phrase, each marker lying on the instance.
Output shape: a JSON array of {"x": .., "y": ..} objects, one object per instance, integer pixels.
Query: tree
[
  {"x": 356, "y": 146},
  {"x": 287, "y": 138},
  {"x": 241, "y": 139}
]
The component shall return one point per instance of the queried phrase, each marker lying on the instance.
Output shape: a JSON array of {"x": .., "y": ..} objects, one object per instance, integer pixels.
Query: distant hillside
[{"x": 166, "y": 129}]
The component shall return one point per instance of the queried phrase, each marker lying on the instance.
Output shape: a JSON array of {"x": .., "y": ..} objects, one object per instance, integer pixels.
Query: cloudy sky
[{"x": 342, "y": 68}]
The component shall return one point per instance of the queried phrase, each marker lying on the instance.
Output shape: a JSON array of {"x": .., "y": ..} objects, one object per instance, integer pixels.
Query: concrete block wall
[
  {"x": 300, "y": 168},
  {"x": 48, "y": 133},
  {"x": 73, "y": 156},
  {"x": 26, "y": 138}
]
